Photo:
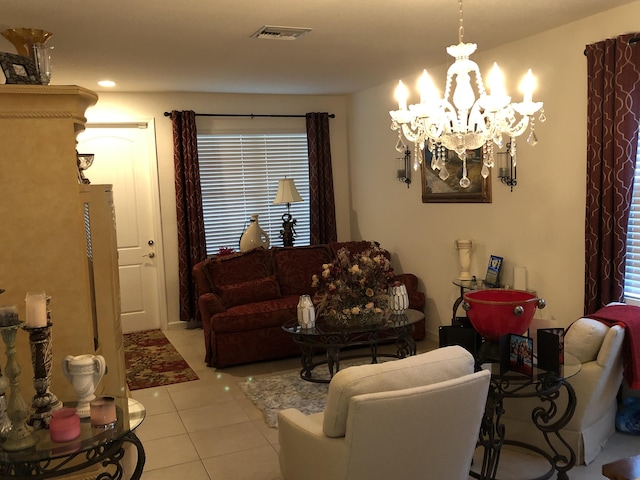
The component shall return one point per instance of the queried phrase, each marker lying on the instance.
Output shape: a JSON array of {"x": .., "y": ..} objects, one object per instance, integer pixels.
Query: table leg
[
  {"x": 306, "y": 360},
  {"x": 491, "y": 435}
]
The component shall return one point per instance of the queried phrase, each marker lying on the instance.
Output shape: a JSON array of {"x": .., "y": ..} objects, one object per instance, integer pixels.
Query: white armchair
[
  {"x": 415, "y": 418},
  {"x": 599, "y": 349}
]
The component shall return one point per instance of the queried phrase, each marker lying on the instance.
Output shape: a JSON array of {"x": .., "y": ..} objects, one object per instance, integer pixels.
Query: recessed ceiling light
[{"x": 107, "y": 83}]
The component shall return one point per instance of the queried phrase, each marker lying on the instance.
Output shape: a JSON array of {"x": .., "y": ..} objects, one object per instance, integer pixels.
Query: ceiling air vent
[{"x": 280, "y": 33}]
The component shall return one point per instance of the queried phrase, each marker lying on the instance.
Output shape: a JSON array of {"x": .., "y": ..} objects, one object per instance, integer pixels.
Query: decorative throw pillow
[{"x": 260, "y": 290}]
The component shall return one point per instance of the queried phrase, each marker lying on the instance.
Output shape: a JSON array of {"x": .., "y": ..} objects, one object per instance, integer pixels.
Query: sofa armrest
[
  {"x": 210, "y": 304},
  {"x": 416, "y": 298}
]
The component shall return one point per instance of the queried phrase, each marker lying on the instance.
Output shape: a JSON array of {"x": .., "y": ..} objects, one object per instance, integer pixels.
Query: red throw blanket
[{"x": 628, "y": 317}]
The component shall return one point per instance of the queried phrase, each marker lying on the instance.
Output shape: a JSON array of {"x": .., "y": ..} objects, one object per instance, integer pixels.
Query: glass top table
[
  {"x": 95, "y": 445},
  {"x": 333, "y": 339},
  {"x": 549, "y": 415}
]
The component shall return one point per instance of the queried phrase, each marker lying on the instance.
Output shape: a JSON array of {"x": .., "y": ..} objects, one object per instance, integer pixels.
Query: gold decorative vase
[{"x": 24, "y": 39}]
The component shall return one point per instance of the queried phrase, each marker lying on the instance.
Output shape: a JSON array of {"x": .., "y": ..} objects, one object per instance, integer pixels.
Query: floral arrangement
[{"x": 354, "y": 287}]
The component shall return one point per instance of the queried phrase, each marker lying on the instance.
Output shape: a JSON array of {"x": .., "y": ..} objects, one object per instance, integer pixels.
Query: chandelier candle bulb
[
  {"x": 401, "y": 95},
  {"x": 36, "y": 303},
  {"x": 527, "y": 86}
]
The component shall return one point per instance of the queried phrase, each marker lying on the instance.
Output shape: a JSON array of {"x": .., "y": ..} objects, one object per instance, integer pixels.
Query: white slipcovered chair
[
  {"x": 599, "y": 349},
  {"x": 415, "y": 418}
]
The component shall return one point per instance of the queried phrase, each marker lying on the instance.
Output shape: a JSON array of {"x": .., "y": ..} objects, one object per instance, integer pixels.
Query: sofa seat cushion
[
  {"x": 297, "y": 265},
  {"x": 256, "y": 316},
  {"x": 239, "y": 267},
  {"x": 251, "y": 291},
  {"x": 424, "y": 369}
]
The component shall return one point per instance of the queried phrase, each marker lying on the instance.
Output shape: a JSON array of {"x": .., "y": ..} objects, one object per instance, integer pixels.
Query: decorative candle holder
[
  {"x": 20, "y": 436},
  {"x": 44, "y": 402},
  {"x": 103, "y": 412},
  {"x": 84, "y": 372}
]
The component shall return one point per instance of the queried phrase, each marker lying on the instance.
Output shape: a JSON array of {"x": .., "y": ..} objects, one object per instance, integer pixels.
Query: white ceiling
[{"x": 206, "y": 45}]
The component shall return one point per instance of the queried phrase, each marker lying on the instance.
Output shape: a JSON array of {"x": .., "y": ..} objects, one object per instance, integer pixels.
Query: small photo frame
[
  {"x": 19, "y": 70},
  {"x": 493, "y": 271},
  {"x": 516, "y": 354},
  {"x": 550, "y": 352}
]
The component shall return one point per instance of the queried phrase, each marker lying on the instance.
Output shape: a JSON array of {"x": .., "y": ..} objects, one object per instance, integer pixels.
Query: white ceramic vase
[
  {"x": 84, "y": 372},
  {"x": 254, "y": 236},
  {"x": 399, "y": 299},
  {"x": 464, "y": 247},
  {"x": 306, "y": 312}
]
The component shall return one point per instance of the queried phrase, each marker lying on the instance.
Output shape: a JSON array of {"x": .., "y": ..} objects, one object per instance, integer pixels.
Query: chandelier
[{"x": 462, "y": 121}]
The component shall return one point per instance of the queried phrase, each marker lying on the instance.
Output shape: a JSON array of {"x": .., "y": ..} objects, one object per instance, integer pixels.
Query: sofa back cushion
[
  {"x": 240, "y": 267},
  {"x": 251, "y": 291},
  {"x": 295, "y": 267},
  {"x": 584, "y": 339},
  {"x": 424, "y": 369}
]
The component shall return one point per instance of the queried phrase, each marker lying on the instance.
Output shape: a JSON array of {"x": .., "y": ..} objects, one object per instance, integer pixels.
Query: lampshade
[{"x": 287, "y": 192}]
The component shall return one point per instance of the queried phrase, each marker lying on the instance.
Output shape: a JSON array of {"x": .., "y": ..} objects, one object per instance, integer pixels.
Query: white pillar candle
[{"x": 36, "y": 309}]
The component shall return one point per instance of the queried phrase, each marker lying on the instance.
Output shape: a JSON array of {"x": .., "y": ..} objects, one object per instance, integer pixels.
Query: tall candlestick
[{"x": 44, "y": 402}]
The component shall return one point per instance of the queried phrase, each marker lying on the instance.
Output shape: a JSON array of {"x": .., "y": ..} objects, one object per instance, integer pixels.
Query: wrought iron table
[
  {"x": 547, "y": 417},
  {"x": 333, "y": 339},
  {"x": 103, "y": 446}
]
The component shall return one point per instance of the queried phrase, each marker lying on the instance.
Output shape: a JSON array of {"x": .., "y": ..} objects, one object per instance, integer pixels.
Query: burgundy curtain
[
  {"x": 613, "y": 110},
  {"x": 322, "y": 204},
  {"x": 191, "y": 239}
]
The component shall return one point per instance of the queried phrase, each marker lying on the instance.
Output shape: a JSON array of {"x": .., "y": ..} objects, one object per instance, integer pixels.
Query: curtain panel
[
  {"x": 613, "y": 113},
  {"x": 191, "y": 237},
  {"x": 322, "y": 204}
]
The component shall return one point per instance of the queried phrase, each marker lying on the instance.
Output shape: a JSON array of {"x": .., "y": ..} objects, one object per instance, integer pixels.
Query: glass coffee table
[{"x": 334, "y": 340}]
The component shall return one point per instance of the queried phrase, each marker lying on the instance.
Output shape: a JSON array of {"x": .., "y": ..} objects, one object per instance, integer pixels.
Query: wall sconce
[
  {"x": 404, "y": 167},
  {"x": 507, "y": 168}
]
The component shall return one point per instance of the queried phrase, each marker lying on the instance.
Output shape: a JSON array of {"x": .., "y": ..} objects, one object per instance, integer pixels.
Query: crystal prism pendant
[
  {"x": 400, "y": 146},
  {"x": 485, "y": 171},
  {"x": 465, "y": 182},
  {"x": 532, "y": 139},
  {"x": 444, "y": 174}
]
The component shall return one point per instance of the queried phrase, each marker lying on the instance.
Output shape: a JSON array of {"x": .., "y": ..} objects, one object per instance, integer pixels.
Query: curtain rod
[
  {"x": 632, "y": 41},
  {"x": 252, "y": 115}
]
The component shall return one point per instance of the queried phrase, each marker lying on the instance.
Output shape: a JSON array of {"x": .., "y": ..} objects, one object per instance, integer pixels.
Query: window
[
  {"x": 632, "y": 269},
  {"x": 239, "y": 176}
]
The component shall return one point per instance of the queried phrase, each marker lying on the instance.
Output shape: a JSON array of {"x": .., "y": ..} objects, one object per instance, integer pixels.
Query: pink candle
[
  {"x": 103, "y": 412},
  {"x": 64, "y": 425}
]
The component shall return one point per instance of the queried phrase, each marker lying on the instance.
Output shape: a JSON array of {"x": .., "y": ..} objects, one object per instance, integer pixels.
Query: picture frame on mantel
[
  {"x": 19, "y": 70},
  {"x": 436, "y": 190}
]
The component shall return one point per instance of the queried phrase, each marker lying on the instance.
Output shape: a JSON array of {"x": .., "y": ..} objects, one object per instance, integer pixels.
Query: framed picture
[
  {"x": 550, "y": 349},
  {"x": 18, "y": 69},
  {"x": 493, "y": 271},
  {"x": 436, "y": 190},
  {"x": 516, "y": 354}
]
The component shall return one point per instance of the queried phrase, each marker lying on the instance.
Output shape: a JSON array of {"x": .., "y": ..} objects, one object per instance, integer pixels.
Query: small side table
[
  {"x": 624, "y": 469},
  {"x": 103, "y": 446}
]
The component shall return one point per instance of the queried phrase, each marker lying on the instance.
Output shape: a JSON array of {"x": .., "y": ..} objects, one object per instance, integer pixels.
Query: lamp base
[{"x": 288, "y": 232}]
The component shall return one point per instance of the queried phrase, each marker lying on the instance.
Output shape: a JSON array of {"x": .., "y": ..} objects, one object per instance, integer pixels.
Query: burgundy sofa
[{"x": 244, "y": 299}]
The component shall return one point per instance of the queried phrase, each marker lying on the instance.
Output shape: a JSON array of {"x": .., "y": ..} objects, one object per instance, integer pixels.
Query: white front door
[{"x": 125, "y": 157}]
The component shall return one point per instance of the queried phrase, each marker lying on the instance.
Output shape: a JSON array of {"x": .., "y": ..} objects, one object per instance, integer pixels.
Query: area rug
[
  {"x": 151, "y": 361},
  {"x": 287, "y": 390}
]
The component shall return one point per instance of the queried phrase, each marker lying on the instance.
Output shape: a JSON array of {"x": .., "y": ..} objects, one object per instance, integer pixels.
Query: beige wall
[
  {"x": 113, "y": 107},
  {"x": 539, "y": 226}
]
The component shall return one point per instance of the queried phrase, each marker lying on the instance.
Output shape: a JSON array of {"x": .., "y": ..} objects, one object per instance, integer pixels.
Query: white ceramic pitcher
[{"x": 84, "y": 372}]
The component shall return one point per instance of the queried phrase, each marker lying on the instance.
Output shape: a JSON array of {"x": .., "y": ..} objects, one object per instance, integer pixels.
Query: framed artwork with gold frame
[{"x": 436, "y": 190}]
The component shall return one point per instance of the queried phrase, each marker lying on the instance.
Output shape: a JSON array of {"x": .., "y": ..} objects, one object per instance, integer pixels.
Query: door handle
[{"x": 150, "y": 255}]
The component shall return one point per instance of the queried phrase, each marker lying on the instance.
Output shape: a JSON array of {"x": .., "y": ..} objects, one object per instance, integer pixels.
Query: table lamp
[{"x": 287, "y": 193}]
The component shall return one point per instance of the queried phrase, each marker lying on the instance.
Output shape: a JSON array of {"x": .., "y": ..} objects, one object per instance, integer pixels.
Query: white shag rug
[{"x": 287, "y": 390}]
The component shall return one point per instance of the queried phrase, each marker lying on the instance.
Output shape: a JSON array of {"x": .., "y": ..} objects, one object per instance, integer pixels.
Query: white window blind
[
  {"x": 239, "y": 176},
  {"x": 632, "y": 272}
]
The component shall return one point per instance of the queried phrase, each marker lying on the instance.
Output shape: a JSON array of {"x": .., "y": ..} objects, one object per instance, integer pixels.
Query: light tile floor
[{"x": 207, "y": 429}]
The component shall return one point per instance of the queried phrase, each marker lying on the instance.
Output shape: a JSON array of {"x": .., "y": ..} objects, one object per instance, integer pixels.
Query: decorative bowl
[{"x": 496, "y": 312}]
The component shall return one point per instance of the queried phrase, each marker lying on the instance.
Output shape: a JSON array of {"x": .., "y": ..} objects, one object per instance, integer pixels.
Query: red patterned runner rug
[{"x": 152, "y": 361}]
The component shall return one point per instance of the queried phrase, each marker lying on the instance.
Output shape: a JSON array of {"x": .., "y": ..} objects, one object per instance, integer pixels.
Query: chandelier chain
[{"x": 461, "y": 27}]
